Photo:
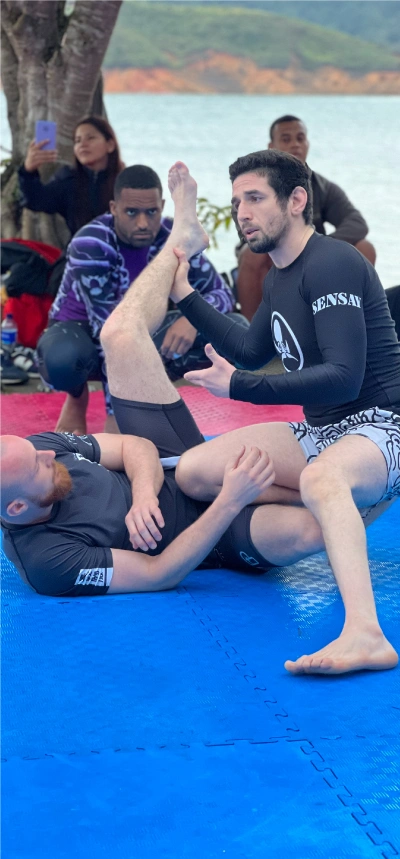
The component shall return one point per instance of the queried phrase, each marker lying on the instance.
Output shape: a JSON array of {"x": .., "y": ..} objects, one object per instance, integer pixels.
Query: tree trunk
[{"x": 51, "y": 69}]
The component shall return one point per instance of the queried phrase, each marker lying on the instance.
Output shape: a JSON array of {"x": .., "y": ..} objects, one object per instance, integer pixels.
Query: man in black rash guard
[{"x": 325, "y": 313}]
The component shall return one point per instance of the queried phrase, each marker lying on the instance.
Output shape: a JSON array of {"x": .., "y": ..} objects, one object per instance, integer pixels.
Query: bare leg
[
  {"x": 73, "y": 414},
  {"x": 200, "y": 471},
  {"x": 134, "y": 368},
  {"x": 285, "y": 535},
  {"x": 352, "y": 471}
]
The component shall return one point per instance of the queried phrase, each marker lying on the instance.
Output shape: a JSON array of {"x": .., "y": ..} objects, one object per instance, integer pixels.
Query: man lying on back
[{"x": 74, "y": 508}]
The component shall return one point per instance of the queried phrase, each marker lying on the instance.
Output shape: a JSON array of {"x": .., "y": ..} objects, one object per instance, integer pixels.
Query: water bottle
[{"x": 9, "y": 332}]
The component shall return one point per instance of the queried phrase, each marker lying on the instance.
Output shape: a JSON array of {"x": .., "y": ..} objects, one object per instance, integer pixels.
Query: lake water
[{"x": 354, "y": 142}]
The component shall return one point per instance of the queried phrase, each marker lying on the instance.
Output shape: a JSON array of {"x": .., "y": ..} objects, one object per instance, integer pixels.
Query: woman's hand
[
  {"x": 143, "y": 522},
  {"x": 36, "y": 156},
  {"x": 247, "y": 474}
]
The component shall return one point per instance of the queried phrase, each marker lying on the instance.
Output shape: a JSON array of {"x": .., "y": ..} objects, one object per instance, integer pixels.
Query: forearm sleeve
[{"x": 249, "y": 347}]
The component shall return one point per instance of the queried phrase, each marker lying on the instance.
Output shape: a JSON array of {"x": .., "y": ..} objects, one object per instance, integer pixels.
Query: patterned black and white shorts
[{"x": 380, "y": 426}]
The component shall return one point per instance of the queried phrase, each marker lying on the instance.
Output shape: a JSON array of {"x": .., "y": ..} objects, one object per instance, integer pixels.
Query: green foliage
[
  {"x": 149, "y": 34},
  {"x": 213, "y": 217},
  {"x": 373, "y": 20}
]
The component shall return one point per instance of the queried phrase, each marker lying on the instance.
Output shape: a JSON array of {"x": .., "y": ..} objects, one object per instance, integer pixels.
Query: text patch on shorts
[{"x": 97, "y": 576}]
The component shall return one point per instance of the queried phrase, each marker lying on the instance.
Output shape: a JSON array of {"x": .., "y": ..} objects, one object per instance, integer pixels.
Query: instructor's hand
[
  {"x": 216, "y": 379},
  {"x": 181, "y": 286},
  {"x": 143, "y": 522}
]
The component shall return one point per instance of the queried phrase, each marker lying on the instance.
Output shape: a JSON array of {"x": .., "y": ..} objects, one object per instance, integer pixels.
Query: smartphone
[{"x": 46, "y": 130}]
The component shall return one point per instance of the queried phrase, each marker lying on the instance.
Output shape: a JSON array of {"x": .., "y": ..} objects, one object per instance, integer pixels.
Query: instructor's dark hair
[
  {"x": 283, "y": 172},
  {"x": 287, "y": 118},
  {"x": 138, "y": 176}
]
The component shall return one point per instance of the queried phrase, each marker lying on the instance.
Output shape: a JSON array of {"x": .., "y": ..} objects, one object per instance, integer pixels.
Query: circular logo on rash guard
[{"x": 286, "y": 344}]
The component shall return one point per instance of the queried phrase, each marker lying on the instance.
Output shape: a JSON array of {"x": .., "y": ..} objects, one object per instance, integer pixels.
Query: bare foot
[
  {"x": 187, "y": 233},
  {"x": 73, "y": 414},
  {"x": 111, "y": 424},
  {"x": 354, "y": 650}
]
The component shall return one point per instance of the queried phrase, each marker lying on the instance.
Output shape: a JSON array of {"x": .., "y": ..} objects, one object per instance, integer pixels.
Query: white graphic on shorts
[
  {"x": 79, "y": 456},
  {"x": 98, "y": 576},
  {"x": 72, "y": 437},
  {"x": 286, "y": 343},
  {"x": 248, "y": 559}
]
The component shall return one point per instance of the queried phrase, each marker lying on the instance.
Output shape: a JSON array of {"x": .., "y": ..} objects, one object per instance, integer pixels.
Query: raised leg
[
  {"x": 350, "y": 473},
  {"x": 134, "y": 368}
]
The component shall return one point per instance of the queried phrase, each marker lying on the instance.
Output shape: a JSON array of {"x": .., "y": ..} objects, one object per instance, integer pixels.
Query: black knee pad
[{"x": 67, "y": 356}]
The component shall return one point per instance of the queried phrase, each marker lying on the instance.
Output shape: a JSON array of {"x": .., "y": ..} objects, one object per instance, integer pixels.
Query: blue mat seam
[{"x": 330, "y": 778}]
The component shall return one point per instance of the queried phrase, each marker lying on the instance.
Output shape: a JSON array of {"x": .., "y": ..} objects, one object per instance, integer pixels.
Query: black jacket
[
  {"x": 58, "y": 195},
  {"x": 332, "y": 206}
]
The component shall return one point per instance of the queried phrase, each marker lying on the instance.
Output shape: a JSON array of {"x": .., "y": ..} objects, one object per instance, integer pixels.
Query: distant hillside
[
  {"x": 375, "y": 21},
  {"x": 152, "y": 35}
]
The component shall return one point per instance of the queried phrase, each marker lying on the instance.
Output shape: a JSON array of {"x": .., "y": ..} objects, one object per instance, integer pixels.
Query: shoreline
[{"x": 225, "y": 74}]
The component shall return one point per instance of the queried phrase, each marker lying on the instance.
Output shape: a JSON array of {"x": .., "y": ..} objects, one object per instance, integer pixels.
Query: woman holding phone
[{"x": 83, "y": 191}]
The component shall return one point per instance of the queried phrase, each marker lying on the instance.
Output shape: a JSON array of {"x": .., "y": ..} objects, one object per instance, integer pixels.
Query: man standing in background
[{"x": 330, "y": 205}]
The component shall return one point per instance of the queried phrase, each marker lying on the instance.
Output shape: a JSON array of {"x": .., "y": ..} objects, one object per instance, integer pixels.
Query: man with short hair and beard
[
  {"x": 324, "y": 311},
  {"x": 330, "y": 205}
]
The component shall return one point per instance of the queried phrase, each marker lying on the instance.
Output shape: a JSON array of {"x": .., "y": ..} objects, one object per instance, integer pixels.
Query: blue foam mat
[{"x": 164, "y": 725}]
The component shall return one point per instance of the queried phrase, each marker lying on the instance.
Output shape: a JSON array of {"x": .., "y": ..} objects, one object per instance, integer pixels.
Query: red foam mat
[{"x": 23, "y": 414}]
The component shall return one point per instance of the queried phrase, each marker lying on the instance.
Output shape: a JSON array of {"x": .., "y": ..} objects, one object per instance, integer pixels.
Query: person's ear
[
  {"x": 110, "y": 146},
  {"x": 113, "y": 207},
  {"x": 162, "y": 205},
  {"x": 16, "y": 507},
  {"x": 270, "y": 145},
  {"x": 298, "y": 200}
]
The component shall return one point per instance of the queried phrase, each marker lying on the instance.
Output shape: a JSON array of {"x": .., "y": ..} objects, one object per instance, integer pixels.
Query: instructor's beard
[
  {"x": 61, "y": 488},
  {"x": 268, "y": 242}
]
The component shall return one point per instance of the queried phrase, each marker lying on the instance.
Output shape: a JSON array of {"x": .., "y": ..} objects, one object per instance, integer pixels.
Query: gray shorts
[{"x": 380, "y": 426}]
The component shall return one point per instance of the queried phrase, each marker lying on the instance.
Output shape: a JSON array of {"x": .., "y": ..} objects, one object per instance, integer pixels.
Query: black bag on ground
[{"x": 25, "y": 270}]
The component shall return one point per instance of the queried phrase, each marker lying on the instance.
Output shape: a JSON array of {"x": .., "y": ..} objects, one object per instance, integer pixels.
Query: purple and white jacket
[{"x": 96, "y": 278}]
